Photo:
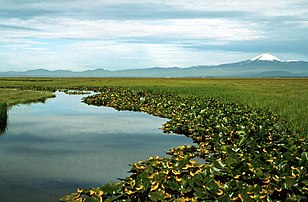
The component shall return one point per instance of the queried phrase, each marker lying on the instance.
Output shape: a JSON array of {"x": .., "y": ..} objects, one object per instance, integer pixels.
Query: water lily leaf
[
  {"x": 91, "y": 199},
  {"x": 289, "y": 182},
  {"x": 112, "y": 188},
  {"x": 174, "y": 185},
  {"x": 304, "y": 157},
  {"x": 199, "y": 193},
  {"x": 225, "y": 198},
  {"x": 114, "y": 198},
  {"x": 259, "y": 172},
  {"x": 156, "y": 196},
  {"x": 71, "y": 197}
]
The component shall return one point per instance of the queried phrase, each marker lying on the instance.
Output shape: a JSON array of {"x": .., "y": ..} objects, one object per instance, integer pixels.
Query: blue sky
[{"x": 122, "y": 34}]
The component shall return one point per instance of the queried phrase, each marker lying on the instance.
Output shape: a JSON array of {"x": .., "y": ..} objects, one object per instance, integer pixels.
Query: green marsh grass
[
  {"x": 10, "y": 97},
  {"x": 286, "y": 97},
  {"x": 3, "y": 109},
  {"x": 3, "y": 117},
  {"x": 13, "y": 96}
]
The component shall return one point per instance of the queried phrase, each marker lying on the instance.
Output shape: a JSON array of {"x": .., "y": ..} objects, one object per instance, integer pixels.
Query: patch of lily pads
[{"x": 242, "y": 153}]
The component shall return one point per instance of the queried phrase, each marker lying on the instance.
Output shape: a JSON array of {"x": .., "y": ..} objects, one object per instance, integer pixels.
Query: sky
[{"x": 123, "y": 34}]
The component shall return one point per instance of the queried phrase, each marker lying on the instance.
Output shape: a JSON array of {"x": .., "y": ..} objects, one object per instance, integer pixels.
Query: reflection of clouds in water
[
  {"x": 66, "y": 139},
  {"x": 73, "y": 117},
  {"x": 97, "y": 123}
]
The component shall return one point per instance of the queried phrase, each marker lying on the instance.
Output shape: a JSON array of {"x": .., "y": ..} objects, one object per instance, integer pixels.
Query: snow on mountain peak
[
  {"x": 265, "y": 57},
  {"x": 291, "y": 61}
]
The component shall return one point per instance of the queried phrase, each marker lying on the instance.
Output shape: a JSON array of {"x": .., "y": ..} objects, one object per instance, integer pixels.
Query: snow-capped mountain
[
  {"x": 265, "y": 57},
  {"x": 267, "y": 65},
  {"x": 270, "y": 58},
  {"x": 263, "y": 65}
]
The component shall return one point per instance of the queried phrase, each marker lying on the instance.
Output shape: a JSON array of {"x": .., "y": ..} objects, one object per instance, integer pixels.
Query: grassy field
[
  {"x": 12, "y": 96},
  {"x": 286, "y": 97}
]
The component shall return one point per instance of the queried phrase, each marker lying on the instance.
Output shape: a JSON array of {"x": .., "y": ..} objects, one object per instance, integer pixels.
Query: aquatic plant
[
  {"x": 285, "y": 96},
  {"x": 242, "y": 153}
]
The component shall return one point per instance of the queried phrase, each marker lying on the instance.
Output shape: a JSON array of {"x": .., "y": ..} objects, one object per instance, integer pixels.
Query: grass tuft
[{"x": 3, "y": 117}]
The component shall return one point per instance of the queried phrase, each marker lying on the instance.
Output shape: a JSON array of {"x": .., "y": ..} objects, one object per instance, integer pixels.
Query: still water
[{"x": 50, "y": 149}]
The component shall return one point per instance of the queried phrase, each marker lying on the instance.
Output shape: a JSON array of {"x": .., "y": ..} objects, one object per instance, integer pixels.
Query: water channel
[{"x": 50, "y": 149}]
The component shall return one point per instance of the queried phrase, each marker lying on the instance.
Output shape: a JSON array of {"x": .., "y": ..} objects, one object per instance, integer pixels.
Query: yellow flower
[
  {"x": 129, "y": 192},
  {"x": 154, "y": 186},
  {"x": 237, "y": 177},
  {"x": 140, "y": 187},
  {"x": 168, "y": 164},
  {"x": 279, "y": 190},
  {"x": 220, "y": 192},
  {"x": 176, "y": 172}
]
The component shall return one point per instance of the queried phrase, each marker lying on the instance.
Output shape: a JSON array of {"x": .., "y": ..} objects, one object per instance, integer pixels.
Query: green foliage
[
  {"x": 286, "y": 97},
  {"x": 9, "y": 97},
  {"x": 3, "y": 117},
  {"x": 12, "y": 96},
  {"x": 242, "y": 153},
  {"x": 3, "y": 110}
]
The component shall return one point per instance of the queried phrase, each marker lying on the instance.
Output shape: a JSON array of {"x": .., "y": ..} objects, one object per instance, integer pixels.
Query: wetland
[
  {"x": 50, "y": 149},
  {"x": 226, "y": 118}
]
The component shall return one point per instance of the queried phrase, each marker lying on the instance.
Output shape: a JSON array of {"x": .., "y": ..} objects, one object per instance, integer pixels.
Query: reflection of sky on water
[{"x": 51, "y": 149}]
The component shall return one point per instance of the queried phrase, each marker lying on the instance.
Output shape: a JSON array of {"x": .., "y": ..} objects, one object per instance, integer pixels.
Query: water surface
[{"x": 50, "y": 149}]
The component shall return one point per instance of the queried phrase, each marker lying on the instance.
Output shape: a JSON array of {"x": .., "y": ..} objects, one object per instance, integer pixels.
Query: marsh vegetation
[
  {"x": 285, "y": 97},
  {"x": 10, "y": 97},
  {"x": 3, "y": 117},
  {"x": 249, "y": 154},
  {"x": 251, "y": 132}
]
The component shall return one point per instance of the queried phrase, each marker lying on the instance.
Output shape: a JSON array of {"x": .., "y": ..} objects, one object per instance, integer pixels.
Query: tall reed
[{"x": 3, "y": 117}]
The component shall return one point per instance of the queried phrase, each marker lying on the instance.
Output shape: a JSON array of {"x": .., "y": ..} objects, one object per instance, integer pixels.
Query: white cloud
[
  {"x": 119, "y": 34},
  {"x": 214, "y": 29}
]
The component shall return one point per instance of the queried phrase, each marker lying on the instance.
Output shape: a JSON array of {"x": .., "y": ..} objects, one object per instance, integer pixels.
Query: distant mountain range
[{"x": 264, "y": 65}]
